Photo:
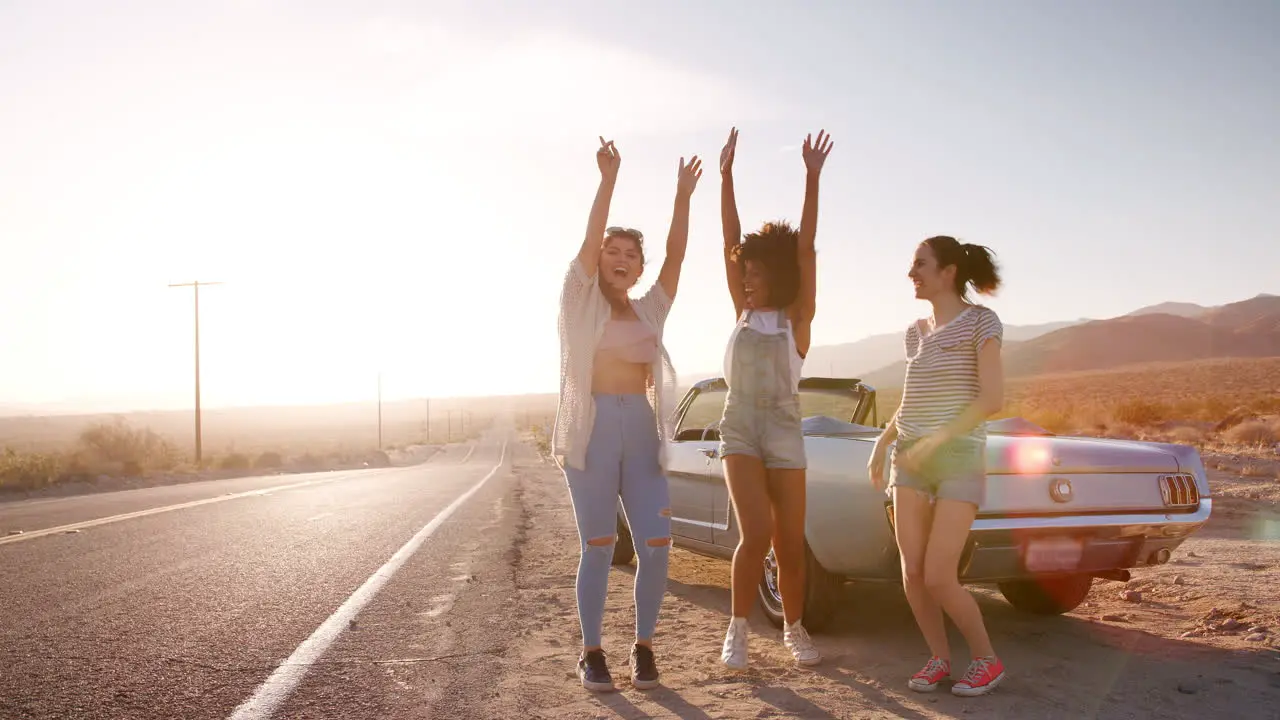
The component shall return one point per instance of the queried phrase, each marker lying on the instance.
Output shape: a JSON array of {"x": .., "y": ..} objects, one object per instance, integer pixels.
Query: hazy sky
[{"x": 399, "y": 186}]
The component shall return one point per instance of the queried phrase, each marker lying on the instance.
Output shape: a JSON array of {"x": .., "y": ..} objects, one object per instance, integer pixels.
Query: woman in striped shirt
[{"x": 954, "y": 381}]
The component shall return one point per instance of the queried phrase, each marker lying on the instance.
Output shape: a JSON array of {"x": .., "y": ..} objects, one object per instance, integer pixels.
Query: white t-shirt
[{"x": 766, "y": 322}]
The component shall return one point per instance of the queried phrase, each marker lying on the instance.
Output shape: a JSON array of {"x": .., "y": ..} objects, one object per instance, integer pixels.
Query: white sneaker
[
  {"x": 797, "y": 640},
  {"x": 734, "y": 653}
]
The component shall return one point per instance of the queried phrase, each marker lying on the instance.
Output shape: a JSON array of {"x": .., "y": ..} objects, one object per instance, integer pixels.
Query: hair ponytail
[
  {"x": 979, "y": 269},
  {"x": 975, "y": 264}
]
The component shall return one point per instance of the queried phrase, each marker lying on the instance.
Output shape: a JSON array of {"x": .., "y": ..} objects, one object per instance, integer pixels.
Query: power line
[{"x": 196, "y": 288}]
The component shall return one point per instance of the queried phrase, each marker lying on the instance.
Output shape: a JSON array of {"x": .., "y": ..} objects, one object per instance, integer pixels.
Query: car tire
[
  {"x": 1052, "y": 595},
  {"x": 624, "y": 550},
  {"x": 820, "y": 598}
]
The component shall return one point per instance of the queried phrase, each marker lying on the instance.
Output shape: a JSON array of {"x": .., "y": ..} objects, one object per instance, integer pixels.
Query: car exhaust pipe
[
  {"x": 1120, "y": 575},
  {"x": 1160, "y": 556}
]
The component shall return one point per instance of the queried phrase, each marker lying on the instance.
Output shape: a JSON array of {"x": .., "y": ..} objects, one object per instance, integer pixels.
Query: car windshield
[{"x": 840, "y": 402}]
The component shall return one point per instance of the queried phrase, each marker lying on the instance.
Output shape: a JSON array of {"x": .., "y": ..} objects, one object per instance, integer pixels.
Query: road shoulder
[{"x": 1073, "y": 666}]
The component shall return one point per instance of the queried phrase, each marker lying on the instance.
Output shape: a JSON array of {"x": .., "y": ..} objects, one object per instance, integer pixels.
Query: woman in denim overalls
[{"x": 772, "y": 279}]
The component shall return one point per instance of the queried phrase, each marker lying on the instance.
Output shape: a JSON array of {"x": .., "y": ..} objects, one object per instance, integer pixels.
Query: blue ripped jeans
[{"x": 622, "y": 460}]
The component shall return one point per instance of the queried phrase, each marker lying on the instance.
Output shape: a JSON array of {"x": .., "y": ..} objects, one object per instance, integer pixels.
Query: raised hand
[
  {"x": 689, "y": 175},
  {"x": 608, "y": 159},
  {"x": 726, "y": 155},
  {"x": 815, "y": 153}
]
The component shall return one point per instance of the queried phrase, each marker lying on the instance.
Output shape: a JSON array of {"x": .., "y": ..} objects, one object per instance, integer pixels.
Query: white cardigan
[{"x": 583, "y": 314}]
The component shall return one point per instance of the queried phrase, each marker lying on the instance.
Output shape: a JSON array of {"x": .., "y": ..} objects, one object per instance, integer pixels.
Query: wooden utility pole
[
  {"x": 379, "y": 409},
  {"x": 196, "y": 288}
]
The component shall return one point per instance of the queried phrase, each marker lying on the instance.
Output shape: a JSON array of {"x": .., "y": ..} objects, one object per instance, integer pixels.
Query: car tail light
[{"x": 1179, "y": 491}]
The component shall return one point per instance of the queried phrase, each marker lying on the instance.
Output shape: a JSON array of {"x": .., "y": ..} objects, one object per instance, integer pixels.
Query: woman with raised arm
[
  {"x": 772, "y": 276},
  {"x": 954, "y": 382},
  {"x": 616, "y": 389}
]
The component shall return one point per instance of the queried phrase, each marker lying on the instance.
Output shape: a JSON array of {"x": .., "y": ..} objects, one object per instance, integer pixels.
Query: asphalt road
[{"x": 331, "y": 595}]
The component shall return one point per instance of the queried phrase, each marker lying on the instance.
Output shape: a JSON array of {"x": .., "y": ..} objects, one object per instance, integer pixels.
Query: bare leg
[
  {"x": 912, "y": 518},
  {"x": 787, "y": 491},
  {"x": 747, "y": 486},
  {"x": 952, "y": 520}
]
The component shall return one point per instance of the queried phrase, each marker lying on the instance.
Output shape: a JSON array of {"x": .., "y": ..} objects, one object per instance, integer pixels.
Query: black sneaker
[
  {"x": 644, "y": 672},
  {"x": 594, "y": 672}
]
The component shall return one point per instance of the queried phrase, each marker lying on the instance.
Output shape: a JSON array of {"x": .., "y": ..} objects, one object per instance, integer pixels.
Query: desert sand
[{"x": 1195, "y": 638}]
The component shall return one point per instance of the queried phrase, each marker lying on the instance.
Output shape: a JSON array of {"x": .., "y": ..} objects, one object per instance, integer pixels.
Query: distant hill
[
  {"x": 1180, "y": 309},
  {"x": 1246, "y": 329},
  {"x": 858, "y": 358},
  {"x": 1257, "y": 315}
]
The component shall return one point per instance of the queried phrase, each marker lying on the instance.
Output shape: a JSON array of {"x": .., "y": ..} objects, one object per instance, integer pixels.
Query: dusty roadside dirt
[{"x": 1198, "y": 639}]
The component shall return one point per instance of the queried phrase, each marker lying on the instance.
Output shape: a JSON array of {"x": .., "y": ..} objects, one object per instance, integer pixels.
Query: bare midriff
[
  {"x": 613, "y": 376},
  {"x": 623, "y": 358}
]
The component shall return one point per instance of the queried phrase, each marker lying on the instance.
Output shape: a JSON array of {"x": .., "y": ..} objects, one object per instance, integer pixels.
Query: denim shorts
[
  {"x": 957, "y": 471},
  {"x": 771, "y": 432}
]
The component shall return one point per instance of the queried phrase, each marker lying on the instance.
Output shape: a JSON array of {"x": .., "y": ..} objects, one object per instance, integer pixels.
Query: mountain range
[
  {"x": 1158, "y": 333},
  {"x": 1168, "y": 331}
]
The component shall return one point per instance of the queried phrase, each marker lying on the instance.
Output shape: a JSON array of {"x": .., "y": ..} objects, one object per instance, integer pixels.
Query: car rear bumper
[
  {"x": 1023, "y": 547},
  {"x": 1013, "y": 548}
]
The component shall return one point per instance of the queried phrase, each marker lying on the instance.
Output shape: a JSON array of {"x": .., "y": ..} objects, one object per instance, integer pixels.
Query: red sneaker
[
  {"x": 930, "y": 675},
  {"x": 983, "y": 675}
]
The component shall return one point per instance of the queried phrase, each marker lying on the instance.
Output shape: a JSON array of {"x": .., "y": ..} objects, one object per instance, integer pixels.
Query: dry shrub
[
  {"x": 132, "y": 449},
  {"x": 307, "y": 461},
  {"x": 28, "y": 471},
  {"x": 1255, "y": 471},
  {"x": 1053, "y": 420},
  {"x": 1120, "y": 431},
  {"x": 235, "y": 461},
  {"x": 1139, "y": 412},
  {"x": 269, "y": 460},
  {"x": 1187, "y": 435},
  {"x": 1253, "y": 432}
]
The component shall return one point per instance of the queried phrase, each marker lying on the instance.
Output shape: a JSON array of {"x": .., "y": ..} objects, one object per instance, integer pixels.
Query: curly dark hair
[{"x": 774, "y": 246}]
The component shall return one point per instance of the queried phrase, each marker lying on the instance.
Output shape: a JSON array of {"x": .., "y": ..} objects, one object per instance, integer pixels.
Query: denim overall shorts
[{"x": 762, "y": 411}]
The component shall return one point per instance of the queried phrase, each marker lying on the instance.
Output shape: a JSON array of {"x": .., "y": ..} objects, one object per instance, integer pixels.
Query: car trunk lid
[{"x": 1054, "y": 475}]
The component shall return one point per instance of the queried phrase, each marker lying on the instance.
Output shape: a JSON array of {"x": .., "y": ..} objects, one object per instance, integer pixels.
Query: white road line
[
  {"x": 166, "y": 508},
  {"x": 289, "y": 673},
  {"x": 470, "y": 450}
]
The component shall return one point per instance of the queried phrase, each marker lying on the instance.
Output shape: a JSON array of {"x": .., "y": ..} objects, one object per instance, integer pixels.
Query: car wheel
[
  {"x": 821, "y": 588},
  {"x": 624, "y": 551},
  {"x": 1047, "y": 595}
]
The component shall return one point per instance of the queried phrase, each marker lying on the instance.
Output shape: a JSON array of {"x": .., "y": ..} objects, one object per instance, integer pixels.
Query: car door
[
  {"x": 724, "y": 527},
  {"x": 692, "y": 456},
  {"x": 843, "y": 399}
]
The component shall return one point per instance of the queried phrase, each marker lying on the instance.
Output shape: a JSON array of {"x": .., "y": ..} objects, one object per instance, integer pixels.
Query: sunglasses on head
[{"x": 623, "y": 231}]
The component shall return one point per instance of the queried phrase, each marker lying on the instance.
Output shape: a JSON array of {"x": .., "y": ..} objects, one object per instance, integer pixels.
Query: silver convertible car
[{"x": 1059, "y": 511}]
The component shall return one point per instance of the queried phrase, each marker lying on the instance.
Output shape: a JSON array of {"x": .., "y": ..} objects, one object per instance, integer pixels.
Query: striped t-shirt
[{"x": 942, "y": 371}]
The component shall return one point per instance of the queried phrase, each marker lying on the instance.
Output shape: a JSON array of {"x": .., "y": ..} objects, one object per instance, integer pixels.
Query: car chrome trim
[
  {"x": 1060, "y": 490},
  {"x": 701, "y": 523},
  {"x": 1200, "y": 516}
]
